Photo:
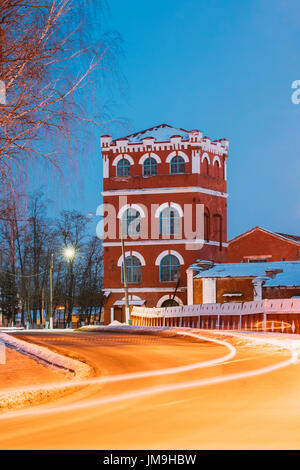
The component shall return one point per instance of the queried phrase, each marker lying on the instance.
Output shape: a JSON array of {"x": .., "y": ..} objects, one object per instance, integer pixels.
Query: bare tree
[
  {"x": 45, "y": 62},
  {"x": 90, "y": 297},
  {"x": 24, "y": 283},
  {"x": 71, "y": 229}
]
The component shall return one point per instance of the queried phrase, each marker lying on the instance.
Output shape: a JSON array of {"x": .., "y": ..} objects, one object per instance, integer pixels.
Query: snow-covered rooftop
[
  {"x": 290, "y": 275},
  {"x": 161, "y": 133}
]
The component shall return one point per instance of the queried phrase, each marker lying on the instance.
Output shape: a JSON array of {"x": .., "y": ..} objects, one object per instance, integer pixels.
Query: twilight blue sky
[{"x": 224, "y": 67}]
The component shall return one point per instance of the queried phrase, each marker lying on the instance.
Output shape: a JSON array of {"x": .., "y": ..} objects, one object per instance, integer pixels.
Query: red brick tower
[{"x": 153, "y": 182}]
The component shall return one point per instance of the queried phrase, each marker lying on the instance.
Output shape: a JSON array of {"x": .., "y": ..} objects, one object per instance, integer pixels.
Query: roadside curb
[{"x": 44, "y": 356}]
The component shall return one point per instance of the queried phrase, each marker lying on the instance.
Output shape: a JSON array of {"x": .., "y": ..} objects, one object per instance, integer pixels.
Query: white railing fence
[{"x": 281, "y": 315}]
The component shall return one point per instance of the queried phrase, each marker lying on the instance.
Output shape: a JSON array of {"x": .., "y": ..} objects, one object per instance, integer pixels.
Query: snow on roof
[
  {"x": 294, "y": 238},
  {"x": 161, "y": 133},
  {"x": 290, "y": 275}
]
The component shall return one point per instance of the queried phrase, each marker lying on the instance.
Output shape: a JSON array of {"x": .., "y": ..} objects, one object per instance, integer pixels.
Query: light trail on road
[
  {"x": 135, "y": 375},
  {"x": 167, "y": 388}
]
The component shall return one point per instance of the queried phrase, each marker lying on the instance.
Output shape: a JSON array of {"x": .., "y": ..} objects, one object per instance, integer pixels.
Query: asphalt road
[{"x": 250, "y": 401}]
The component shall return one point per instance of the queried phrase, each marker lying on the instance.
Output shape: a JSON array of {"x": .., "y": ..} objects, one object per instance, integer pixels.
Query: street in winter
[{"x": 149, "y": 229}]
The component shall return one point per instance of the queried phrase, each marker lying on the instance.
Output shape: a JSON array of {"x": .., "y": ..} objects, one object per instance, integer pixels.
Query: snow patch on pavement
[
  {"x": 46, "y": 357},
  {"x": 72, "y": 367}
]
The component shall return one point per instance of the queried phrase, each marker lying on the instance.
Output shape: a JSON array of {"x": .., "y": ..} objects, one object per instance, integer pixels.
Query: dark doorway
[{"x": 169, "y": 303}]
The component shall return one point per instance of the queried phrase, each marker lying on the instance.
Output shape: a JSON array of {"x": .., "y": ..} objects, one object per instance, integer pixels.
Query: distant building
[
  {"x": 241, "y": 282},
  {"x": 149, "y": 178},
  {"x": 261, "y": 245}
]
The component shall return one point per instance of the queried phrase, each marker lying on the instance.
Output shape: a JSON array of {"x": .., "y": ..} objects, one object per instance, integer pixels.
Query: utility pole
[
  {"x": 51, "y": 293},
  {"x": 127, "y": 311},
  {"x": 42, "y": 313},
  {"x": 177, "y": 285}
]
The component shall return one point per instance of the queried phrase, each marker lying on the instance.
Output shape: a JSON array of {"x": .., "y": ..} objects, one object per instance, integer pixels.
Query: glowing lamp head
[{"x": 69, "y": 253}]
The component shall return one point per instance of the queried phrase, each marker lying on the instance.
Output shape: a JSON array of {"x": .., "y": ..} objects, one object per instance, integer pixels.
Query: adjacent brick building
[
  {"x": 153, "y": 182},
  {"x": 242, "y": 282},
  {"x": 261, "y": 245}
]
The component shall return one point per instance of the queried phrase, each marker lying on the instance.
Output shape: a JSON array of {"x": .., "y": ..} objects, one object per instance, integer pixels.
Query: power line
[{"x": 24, "y": 275}]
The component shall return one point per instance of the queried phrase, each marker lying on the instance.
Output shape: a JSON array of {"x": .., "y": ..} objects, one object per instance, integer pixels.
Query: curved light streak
[
  {"x": 170, "y": 387},
  {"x": 134, "y": 375}
]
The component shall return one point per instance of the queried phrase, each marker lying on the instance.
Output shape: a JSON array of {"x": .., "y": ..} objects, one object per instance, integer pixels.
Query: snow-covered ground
[{"x": 26, "y": 363}]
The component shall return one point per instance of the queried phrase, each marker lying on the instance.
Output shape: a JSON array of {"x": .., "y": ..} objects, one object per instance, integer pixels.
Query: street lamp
[
  {"x": 127, "y": 309},
  {"x": 69, "y": 253},
  {"x": 51, "y": 293}
]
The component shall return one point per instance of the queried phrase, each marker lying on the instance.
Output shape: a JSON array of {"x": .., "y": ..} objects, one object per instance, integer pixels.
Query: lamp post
[
  {"x": 177, "y": 279},
  {"x": 69, "y": 253},
  {"x": 51, "y": 293},
  {"x": 127, "y": 310}
]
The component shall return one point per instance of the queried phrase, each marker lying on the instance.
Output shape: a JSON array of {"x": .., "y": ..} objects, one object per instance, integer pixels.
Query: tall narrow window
[
  {"x": 177, "y": 165},
  {"x": 206, "y": 225},
  {"x": 217, "y": 169},
  {"x": 205, "y": 167},
  {"x": 133, "y": 270},
  {"x": 150, "y": 167},
  {"x": 169, "y": 221},
  {"x": 169, "y": 269},
  {"x": 123, "y": 167},
  {"x": 218, "y": 229}
]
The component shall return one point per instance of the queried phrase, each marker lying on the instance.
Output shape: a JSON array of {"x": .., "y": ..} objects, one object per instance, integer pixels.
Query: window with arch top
[
  {"x": 169, "y": 221},
  {"x": 133, "y": 270},
  {"x": 131, "y": 223},
  {"x": 218, "y": 229},
  {"x": 206, "y": 225},
  {"x": 205, "y": 167},
  {"x": 217, "y": 169},
  {"x": 150, "y": 167},
  {"x": 123, "y": 167},
  {"x": 169, "y": 269},
  {"x": 177, "y": 165}
]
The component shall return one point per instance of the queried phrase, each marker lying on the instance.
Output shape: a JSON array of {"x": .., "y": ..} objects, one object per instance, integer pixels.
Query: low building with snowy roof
[{"x": 210, "y": 282}]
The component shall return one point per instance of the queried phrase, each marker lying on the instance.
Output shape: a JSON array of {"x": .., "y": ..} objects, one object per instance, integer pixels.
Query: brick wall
[{"x": 261, "y": 243}]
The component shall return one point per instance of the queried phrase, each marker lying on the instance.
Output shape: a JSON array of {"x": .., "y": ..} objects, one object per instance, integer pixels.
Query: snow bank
[
  {"x": 46, "y": 357},
  {"x": 116, "y": 327},
  {"x": 23, "y": 397}
]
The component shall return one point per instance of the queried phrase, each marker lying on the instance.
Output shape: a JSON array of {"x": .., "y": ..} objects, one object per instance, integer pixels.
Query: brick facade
[
  {"x": 260, "y": 244},
  {"x": 202, "y": 182}
]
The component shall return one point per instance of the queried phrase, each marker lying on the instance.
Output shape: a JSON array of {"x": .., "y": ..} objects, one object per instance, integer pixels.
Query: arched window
[
  {"x": 177, "y": 165},
  {"x": 150, "y": 167},
  {"x": 169, "y": 269},
  {"x": 205, "y": 167},
  {"x": 123, "y": 167},
  {"x": 131, "y": 223},
  {"x": 218, "y": 229},
  {"x": 206, "y": 225},
  {"x": 169, "y": 221},
  {"x": 133, "y": 269},
  {"x": 217, "y": 169}
]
